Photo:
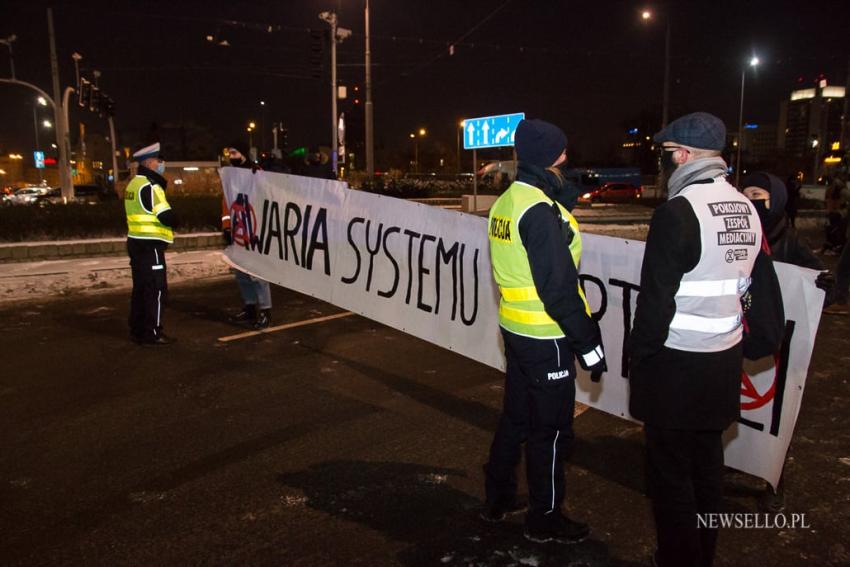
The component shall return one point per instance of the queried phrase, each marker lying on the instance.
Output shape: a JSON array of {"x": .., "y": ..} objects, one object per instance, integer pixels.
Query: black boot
[
  {"x": 264, "y": 319},
  {"x": 247, "y": 315}
]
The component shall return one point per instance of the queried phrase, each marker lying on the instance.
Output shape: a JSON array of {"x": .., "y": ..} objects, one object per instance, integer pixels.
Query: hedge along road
[{"x": 328, "y": 443}]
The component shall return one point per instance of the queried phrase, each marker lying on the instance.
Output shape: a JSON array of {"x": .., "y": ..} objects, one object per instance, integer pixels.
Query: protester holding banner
[
  {"x": 768, "y": 194},
  {"x": 703, "y": 248},
  {"x": 256, "y": 293},
  {"x": 535, "y": 248}
]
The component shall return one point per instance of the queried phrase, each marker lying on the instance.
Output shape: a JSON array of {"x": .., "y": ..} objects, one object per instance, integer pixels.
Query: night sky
[{"x": 592, "y": 67}]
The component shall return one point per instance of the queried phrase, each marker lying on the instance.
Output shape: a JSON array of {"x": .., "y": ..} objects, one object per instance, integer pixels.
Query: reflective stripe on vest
[
  {"x": 713, "y": 325},
  {"x": 708, "y": 308},
  {"x": 520, "y": 310},
  {"x": 714, "y": 288},
  {"x": 143, "y": 224}
]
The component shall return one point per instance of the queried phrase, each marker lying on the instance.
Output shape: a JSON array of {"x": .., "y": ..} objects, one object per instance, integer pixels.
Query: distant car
[
  {"x": 612, "y": 193},
  {"x": 51, "y": 197},
  {"x": 94, "y": 193},
  {"x": 27, "y": 195},
  {"x": 82, "y": 193}
]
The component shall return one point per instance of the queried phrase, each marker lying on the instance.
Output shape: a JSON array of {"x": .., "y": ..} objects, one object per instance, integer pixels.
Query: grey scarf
[{"x": 693, "y": 171}]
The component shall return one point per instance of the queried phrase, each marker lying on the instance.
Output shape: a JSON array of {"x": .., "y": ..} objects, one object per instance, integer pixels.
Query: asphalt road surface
[{"x": 341, "y": 442}]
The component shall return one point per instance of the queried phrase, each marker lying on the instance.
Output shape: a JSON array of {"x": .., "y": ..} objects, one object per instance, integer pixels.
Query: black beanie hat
[{"x": 539, "y": 143}]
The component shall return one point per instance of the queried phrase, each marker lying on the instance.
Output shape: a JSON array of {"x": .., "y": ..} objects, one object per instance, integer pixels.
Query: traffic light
[
  {"x": 109, "y": 106},
  {"x": 94, "y": 102},
  {"x": 84, "y": 93}
]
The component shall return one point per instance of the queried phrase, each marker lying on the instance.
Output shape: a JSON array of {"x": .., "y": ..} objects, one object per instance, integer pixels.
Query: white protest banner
[
  {"x": 426, "y": 271},
  {"x": 417, "y": 268}
]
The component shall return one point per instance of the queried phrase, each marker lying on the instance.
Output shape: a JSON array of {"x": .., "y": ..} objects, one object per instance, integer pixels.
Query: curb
[{"x": 63, "y": 250}]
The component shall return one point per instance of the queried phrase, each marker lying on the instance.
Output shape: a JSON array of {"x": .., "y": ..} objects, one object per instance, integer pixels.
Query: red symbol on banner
[
  {"x": 751, "y": 393},
  {"x": 244, "y": 221}
]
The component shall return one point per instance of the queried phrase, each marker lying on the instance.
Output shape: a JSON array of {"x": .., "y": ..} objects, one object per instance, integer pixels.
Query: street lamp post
[
  {"x": 459, "y": 130},
  {"x": 262, "y": 125},
  {"x": 8, "y": 43},
  {"x": 665, "y": 106},
  {"x": 43, "y": 102},
  {"x": 753, "y": 62},
  {"x": 60, "y": 116},
  {"x": 337, "y": 35},
  {"x": 422, "y": 133},
  {"x": 370, "y": 145},
  {"x": 250, "y": 129}
]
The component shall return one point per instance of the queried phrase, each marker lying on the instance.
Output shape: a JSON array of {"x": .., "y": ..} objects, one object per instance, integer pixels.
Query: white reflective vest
[{"x": 708, "y": 302}]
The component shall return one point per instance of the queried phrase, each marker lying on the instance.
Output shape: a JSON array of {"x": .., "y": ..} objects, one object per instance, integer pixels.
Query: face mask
[
  {"x": 160, "y": 167},
  {"x": 668, "y": 166},
  {"x": 761, "y": 208}
]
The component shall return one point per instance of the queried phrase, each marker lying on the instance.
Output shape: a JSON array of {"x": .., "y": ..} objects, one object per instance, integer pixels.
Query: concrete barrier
[
  {"x": 60, "y": 250},
  {"x": 484, "y": 202}
]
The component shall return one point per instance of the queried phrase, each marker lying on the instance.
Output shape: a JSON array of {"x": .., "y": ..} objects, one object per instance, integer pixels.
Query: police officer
[
  {"x": 703, "y": 248},
  {"x": 149, "y": 232},
  {"x": 535, "y": 248}
]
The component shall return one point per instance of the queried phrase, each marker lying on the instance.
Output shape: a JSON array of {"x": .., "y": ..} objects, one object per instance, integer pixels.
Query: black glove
[
  {"x": 228, "y": 239},
  {"x": 825, "y": 281},
  {"x": 594, "y": 361}
]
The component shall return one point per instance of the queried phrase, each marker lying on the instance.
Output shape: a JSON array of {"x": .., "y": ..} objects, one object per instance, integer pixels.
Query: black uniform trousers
[
  {"x": 684, "y": 477},
  {"x": 538, "y": 411},
  {"x": 150, "y": 287}
]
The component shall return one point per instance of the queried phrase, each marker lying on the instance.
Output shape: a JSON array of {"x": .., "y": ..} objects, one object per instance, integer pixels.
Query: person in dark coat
[
  {"x": 687, "y": 345},
  {"x": 316, "y": 164},
  {"x": 768, "y": 195}
]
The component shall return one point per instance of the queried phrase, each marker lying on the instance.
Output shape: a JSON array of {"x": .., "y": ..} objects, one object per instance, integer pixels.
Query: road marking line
[{"x": 284, "y": 327}]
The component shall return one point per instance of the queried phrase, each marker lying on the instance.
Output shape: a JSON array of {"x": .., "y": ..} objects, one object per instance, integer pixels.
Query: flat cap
[{"x": 696, "y": 130}]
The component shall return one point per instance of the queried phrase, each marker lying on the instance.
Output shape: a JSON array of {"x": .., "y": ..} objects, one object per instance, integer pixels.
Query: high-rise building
[{"x": 810, "y": 120}]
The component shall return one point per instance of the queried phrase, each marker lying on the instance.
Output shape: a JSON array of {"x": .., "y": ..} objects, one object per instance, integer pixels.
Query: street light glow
[
  {"x": 262, "y": 103},
  {"x": 251, "y": 125},
  {"x": 422, "y": 131},
  {"x": 754, "y": 61},
  {"x": 646, "y": 14},
  {"x": 42, "y": 101},
  {"x": 413, "y": 135},
  {"x": 47, "y": 124}
]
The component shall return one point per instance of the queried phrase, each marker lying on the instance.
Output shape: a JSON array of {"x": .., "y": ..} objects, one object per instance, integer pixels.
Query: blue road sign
[
  {"x": 490, "y": 131},
  {"x": 39, "y": 159}
]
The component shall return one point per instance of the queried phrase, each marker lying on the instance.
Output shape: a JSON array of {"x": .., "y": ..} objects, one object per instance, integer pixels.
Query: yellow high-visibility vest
[
  {"x": 141, "y": 223},
  {"x": 520, "y": 310}
]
